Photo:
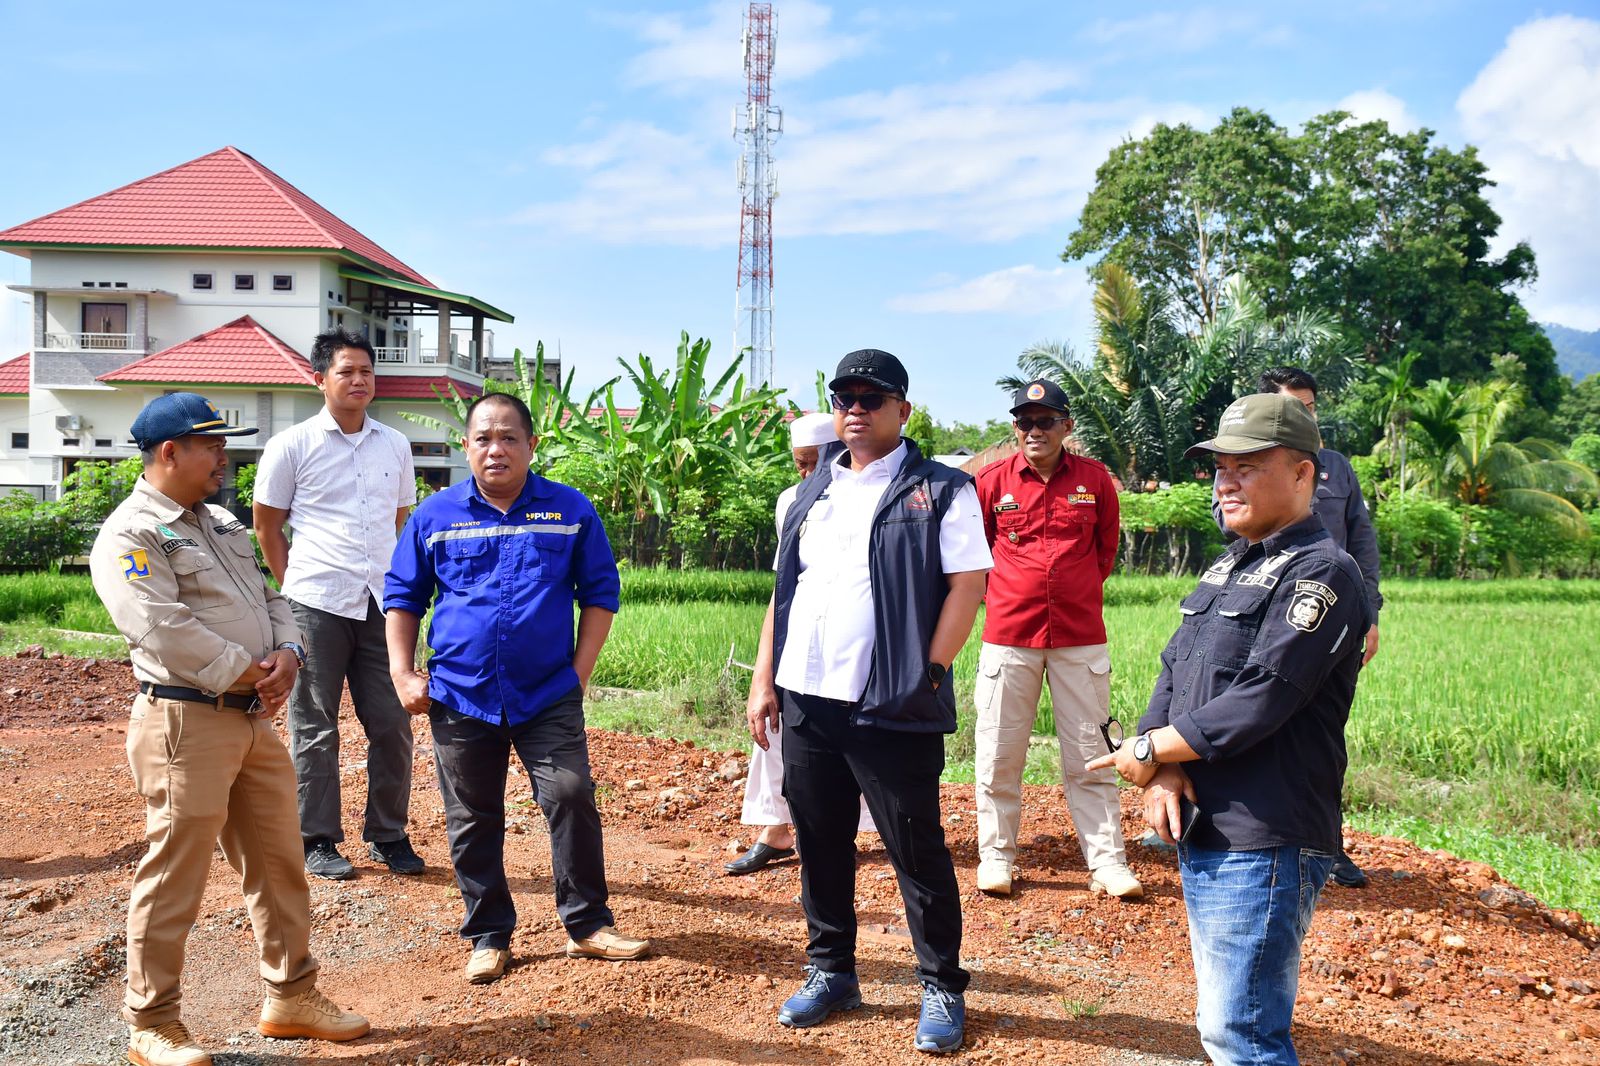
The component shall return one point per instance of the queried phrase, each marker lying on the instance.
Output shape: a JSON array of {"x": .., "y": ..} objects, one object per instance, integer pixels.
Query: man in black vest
[{"x": 881, "y": 567}]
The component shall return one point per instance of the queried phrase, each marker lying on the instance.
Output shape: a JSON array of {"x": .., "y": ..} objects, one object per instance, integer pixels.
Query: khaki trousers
[
  {"x": 208, "y": 775},
  {"x": 1007, "y": 691}
]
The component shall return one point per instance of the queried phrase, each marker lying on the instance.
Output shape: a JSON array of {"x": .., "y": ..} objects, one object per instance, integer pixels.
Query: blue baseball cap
[{"x": 181, "y": 414}]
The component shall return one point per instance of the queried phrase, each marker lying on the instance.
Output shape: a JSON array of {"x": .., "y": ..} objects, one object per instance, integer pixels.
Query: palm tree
[{"x": 1531, "y": 477}]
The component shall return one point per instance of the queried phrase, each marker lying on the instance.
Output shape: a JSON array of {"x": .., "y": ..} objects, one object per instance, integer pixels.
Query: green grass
[{"x": 1476, "y": 729}]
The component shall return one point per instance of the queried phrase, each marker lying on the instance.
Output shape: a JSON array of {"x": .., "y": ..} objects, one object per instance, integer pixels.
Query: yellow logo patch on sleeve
[{"x": 135, "y": 565}]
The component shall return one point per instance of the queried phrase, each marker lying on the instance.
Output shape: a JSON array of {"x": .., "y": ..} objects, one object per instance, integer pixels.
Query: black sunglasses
[
  {"x": 869, "y": 401},
  {"x": 1111, "y": 729},
  {"x": 1046, "y": 424}
]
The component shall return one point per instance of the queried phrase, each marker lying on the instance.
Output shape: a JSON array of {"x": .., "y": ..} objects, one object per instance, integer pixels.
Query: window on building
[
  {"x": 121, "y": 285},
  {"x": 19, "y": 440},
  {"x": 201, "y": 282},
  {"x": 70, "y": 442},
  {"x": 283, "y": 283},
  {"x": 104, "y": 325},
  {"x": 102, "y": 442},
  {"x": 430, "y": 449},
  {"x": 244, "y": 283}
]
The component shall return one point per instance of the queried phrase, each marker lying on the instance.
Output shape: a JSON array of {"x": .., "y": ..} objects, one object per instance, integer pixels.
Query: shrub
[{"x": 1418, "y": 537}]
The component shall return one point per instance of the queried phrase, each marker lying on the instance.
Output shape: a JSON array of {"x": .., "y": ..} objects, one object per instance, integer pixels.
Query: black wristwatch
[
  {"x": 937, "y": 673},
  {"x": 1144, "y": 749},
  {"x": 299, "y": 652}
]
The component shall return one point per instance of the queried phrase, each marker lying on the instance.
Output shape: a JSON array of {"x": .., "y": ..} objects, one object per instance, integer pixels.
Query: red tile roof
[
  {"x": 14, "y": 375},
  {"x": 415, "y": 388},
  {"x": 222, "y": 200},
  {"x": 243, "y": 352}
]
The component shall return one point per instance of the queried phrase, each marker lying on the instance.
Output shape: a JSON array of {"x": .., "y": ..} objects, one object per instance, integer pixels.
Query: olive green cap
[{"x": 1261, "y": 421}]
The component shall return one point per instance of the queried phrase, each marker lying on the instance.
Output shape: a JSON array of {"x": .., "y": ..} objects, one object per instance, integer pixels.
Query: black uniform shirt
[{"x": 1258, "y": 679}]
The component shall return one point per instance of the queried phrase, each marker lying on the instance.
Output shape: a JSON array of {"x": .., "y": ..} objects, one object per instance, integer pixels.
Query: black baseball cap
[
  {"x": 1260, "y": 421},
  {"x": 875, "y": 368},
  {"x": 181, "y": 414},
  {"x": 1041, "y": 391}
]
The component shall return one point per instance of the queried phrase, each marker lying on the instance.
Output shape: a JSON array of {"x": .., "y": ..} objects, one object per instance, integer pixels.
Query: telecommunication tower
[{"x": 756, "y": 127}]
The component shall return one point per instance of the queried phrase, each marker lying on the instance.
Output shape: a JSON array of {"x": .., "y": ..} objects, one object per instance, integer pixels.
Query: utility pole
[{"x": 756, "y": 127}]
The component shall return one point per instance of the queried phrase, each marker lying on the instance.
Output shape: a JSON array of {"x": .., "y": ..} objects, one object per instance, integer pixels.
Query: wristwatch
[
  {"x": 1144, "y": 749},
  {"x": 299, "y": 652},
  {"x": 936, "y": 673}
]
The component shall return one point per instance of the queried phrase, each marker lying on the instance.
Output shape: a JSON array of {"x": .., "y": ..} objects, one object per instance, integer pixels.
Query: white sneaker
[
  {"x": 994, "y": 877},
  {"x": 1115, "y": 880}
]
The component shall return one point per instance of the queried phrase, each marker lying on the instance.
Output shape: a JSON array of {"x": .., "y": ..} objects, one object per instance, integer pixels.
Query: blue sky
[{"x": 572, "y": 163}]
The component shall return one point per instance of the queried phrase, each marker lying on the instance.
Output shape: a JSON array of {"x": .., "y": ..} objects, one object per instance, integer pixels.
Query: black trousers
[
  {"x": 828, "y": 765},
  {"x": 473, "y": 757}
]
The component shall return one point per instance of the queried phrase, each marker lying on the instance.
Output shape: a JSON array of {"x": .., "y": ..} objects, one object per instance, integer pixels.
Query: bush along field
[{"x": 1476, "y": 729}]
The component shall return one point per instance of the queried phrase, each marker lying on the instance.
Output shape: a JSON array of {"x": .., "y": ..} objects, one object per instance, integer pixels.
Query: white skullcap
[{"x": 808, "y": 431}]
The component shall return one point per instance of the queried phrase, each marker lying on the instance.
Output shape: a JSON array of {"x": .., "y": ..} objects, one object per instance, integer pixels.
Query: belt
[{"x": 194, "y": 695}]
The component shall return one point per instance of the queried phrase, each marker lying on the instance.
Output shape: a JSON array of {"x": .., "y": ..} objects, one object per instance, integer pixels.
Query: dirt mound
[{"x": 1438, "y": 961}]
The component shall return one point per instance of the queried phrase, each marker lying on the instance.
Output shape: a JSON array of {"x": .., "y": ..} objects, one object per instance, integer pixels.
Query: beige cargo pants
[
  {"x": 1009, "y": 683},
  {"x": 208, "y": 775}
]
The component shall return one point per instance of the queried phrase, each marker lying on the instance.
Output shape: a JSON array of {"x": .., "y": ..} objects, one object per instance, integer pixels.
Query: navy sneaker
[
  {"x": 821, "y": 995},
  {"x": 397, "y": 855},
  {"x": 943, "y": 1022}
]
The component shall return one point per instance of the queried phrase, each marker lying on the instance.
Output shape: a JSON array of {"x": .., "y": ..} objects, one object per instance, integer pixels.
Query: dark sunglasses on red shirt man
[{"x": 1045, "y": 424}]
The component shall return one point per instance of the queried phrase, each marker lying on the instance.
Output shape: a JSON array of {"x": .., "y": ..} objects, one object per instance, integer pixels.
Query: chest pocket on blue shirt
[
  {"x": 553, "y": 552},
  {"x": 466, "y": 562},
  {"x": 1234, "y": 628}
]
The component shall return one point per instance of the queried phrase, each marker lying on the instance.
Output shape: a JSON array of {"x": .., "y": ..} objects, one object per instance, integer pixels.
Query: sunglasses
[
  {"x": 869, "y": 401},
  {"x": 1046, "y": 424},
  {"x": 1111, "y": 729}
]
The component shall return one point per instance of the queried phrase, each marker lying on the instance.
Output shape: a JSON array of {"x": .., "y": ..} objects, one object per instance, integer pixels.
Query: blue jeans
[{"x": 1248, "y": 913}]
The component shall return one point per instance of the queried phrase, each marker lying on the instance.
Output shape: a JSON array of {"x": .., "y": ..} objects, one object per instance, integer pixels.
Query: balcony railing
[
  {"x": 99, "y": 342},
  {"x": 422, "y": 357}
]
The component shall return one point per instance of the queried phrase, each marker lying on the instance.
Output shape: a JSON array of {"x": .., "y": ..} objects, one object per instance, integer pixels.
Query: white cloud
[
  {"x": 1189, "y": 30},
  {"x": 1372, "y": 105},
  {"x": 1534, "y": 112},
  {"x": 986, "y": 158},
  {"x": 690, "y": 52},
  {"x": 1020, "y": 290}
]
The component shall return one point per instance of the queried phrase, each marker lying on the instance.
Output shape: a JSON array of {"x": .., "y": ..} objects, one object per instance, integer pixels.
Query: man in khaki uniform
[{"x": 215, "y": 653}]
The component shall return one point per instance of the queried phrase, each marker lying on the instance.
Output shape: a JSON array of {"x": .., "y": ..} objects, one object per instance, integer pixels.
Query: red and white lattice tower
[{"x": 756, "y": 127}]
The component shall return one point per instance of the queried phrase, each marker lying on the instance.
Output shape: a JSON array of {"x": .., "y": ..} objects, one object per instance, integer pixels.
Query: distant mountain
[{"x": 1577, "y": 351}]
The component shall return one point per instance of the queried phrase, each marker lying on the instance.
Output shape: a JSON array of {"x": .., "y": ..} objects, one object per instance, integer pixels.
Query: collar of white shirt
[
  {"x": 325, "y": 420},
  {"x": 878, "y": 470}
]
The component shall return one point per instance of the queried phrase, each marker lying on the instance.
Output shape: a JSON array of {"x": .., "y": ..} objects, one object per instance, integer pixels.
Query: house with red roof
[{"x": 214, "y": 277}]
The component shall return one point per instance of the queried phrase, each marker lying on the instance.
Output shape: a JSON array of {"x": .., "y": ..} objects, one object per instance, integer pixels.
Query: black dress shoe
[
  {"x": 758, "y": 856},
  {"x": 1345, "y": 872}
]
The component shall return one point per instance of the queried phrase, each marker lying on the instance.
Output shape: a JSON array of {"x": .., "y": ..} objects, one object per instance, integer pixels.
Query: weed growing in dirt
[{"x": 1082, "y": 1009}]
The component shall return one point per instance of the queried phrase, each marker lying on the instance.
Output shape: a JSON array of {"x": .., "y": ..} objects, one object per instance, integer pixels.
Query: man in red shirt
[{"x": 1051, "y": 519}]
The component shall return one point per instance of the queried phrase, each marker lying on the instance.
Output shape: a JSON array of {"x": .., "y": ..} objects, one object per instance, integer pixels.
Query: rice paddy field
[{"x": 1476, "y": 729}]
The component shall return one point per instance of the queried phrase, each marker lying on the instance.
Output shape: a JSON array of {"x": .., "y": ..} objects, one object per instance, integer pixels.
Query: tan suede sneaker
[
  {"x": 607, "y": 943},
  {"x": 1115, "y": 880},
  {"x": 310, "y": 1015},
  {"x": 994, "y": 877},
  {"x": 168, "y": 1044},
  {"x": 486, "y": 965}
]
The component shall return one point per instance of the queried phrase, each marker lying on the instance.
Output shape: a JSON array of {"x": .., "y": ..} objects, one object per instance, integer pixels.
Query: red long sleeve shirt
[{"x": 1054, "y": 544}]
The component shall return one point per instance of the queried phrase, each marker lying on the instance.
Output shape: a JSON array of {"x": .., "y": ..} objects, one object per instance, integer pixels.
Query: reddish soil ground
[{"x": 1439, "y": 961}]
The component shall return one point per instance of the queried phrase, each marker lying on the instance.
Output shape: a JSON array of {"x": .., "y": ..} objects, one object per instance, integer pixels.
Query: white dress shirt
[
  {"x": 341, "y": 491},
  {"x": 831, "y": 636}
]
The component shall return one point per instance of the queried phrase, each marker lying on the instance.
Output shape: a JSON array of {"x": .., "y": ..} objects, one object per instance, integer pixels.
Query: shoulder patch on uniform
[
  {"x": 1309, "y": 605},
  {"x": 135, "y": 565}
]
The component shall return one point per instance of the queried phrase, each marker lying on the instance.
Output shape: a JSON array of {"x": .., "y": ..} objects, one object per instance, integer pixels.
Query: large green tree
[{"x": 1387, "y": 231}]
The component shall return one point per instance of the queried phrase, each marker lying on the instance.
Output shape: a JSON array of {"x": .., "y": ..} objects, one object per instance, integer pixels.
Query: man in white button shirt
[
  {"x": 881, "y": 567},
  {"x": 345, "y": 483}
]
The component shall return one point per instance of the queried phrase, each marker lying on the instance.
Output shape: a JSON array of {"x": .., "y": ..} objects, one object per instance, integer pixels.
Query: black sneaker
[
  {"x": 323, "y": 860},
  {"x": 397, "y": 855},
  {"x": 1345, "y": 872}
]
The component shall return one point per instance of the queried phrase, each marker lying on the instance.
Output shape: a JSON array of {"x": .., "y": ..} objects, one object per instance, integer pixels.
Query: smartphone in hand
[{"x": 1188, "y": 814}]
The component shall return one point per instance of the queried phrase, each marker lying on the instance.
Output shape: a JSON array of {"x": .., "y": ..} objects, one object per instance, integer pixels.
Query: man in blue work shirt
[{"x": 509, "y": 554}]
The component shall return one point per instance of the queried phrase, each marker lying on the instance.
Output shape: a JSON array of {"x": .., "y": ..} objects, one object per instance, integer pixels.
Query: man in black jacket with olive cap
[
  {"x": 881, "y": 567},
  {"x": 1246, "y": 724}
]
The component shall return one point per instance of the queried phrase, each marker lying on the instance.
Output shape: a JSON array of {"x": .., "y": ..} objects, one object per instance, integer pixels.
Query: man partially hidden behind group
[
  {"x": 344, "y": 482},
  {"x": 1052, "y": 521},
  {"x": 880, "y": 572},
  {"x": 215, "y": 651},
  {"x": 509, "y": 554},
  {"x": 1247, "y": 724},
  {"x": 764, "y": 804}
]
